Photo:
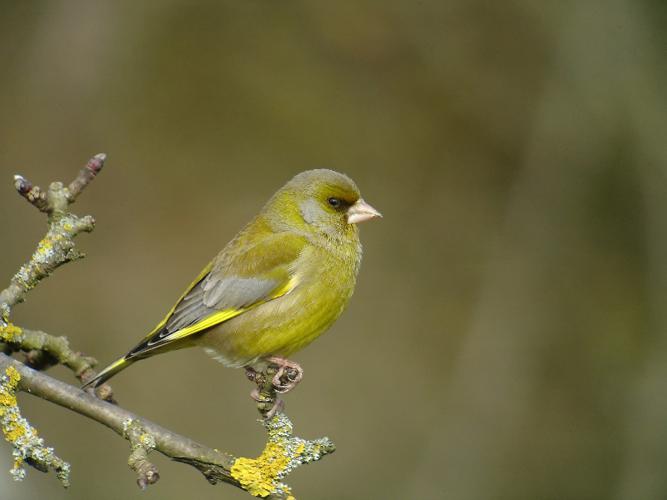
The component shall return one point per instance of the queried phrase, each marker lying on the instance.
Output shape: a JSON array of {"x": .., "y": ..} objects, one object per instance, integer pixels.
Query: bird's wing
[{"x": 240, "y": 278}]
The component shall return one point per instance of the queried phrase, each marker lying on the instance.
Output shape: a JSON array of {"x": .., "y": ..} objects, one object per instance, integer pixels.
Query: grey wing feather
[
  {"x": 215, "y": 294},
  {"x": 235, "y": 292}
]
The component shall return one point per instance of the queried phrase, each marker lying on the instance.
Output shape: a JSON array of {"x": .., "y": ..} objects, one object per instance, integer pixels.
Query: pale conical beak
[{"x": 360, "y": 212}]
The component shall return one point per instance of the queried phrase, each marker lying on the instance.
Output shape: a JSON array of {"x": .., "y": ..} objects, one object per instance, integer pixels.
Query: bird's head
[{"x": 323, "y": 201}]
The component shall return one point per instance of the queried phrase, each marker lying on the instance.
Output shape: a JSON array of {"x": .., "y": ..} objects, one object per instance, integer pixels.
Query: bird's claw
[
  {"x": 254, "y": 394},
  {"x": 251, "y": 373},
  {"x": 277, "y": 407},
  {"x": 288, "y": 376}
]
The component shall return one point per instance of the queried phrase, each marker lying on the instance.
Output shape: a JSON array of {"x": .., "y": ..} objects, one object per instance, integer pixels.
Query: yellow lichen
[
  {"x": 44, "y": 246},
  {"x": 283, "y": 453},
  {"x": 259, "y": 476},
  {"x": 7, "y": 400},
  {"x": 13, "y": 375},
  {"x": 12, "y": 428},
  {"x": 147, "y": 441},
  {"x": 10, "y": 333},
  {"x": 28, "y": 446}
]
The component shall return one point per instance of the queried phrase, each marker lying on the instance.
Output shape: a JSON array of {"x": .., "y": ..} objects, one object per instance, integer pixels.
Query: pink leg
[
  {"x": 277, "y": 406},
  {"x": 288, "y": 370}
]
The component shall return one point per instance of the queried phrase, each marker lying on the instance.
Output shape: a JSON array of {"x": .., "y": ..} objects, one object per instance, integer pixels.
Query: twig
[
  {"x": 86, "y": 175},
  {"x": 142, "y": 443},
  {"x": 57, "y": 247},
  {"x": 54, "y": 250},
  {"x": 33, "y": 194},
  {"x": 44, "y": 350}
]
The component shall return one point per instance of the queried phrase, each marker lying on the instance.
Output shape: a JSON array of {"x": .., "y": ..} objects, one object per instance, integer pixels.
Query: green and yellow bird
[{"x": 278, "y": 285}]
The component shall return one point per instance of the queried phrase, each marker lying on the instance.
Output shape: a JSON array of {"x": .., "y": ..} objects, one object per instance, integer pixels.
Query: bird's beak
[{"x": 361, "y": 211}]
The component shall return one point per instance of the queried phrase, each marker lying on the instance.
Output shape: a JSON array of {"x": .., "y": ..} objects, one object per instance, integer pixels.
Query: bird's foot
[
  {"x": 281, "y": 377},
  {"x": 288, "y": 376},
  {"x": 251, "y": 373}
]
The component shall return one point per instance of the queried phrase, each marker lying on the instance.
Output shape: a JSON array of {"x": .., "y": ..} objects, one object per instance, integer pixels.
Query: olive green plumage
[{"x": 280, "y": 283}]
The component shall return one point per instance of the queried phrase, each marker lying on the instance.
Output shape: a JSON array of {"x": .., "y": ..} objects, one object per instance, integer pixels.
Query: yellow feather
[{"x": 221, "y": 316}]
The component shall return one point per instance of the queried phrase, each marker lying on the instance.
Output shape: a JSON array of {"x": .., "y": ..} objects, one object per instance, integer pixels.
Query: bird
[{"x": 282, "y": 281}]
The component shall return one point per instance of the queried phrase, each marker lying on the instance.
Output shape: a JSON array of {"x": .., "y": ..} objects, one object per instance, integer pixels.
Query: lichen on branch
[
  {"x": 142, "y": 443},
  {"x": 57, "y": 247},
  {"x": 43, "y": 350},
  {"x": 28, "y": 447},
  {"x": 282, "y": 454}
]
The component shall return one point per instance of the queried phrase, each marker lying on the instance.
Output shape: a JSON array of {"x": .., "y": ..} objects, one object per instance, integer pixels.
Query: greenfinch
[{"x": 278, "y": 285}]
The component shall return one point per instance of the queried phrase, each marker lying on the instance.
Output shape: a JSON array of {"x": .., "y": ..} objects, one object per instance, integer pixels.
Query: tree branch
[
  {"x": 57, "y": 247},
  {"x": 260, "y": 476},
  {"x": 114, "y": 417}
]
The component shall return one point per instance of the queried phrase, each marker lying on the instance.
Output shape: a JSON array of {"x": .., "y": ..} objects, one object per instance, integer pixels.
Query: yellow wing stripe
[
  {"x": 161, "y": 324},
  {"x": 108, "y": 372},
  {"x": 222, "y": 316},
  {"x": 205, "y": 323}
]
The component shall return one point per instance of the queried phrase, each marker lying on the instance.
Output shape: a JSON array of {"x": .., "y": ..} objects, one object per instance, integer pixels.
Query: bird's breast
[{"x": 324, "y": 284}]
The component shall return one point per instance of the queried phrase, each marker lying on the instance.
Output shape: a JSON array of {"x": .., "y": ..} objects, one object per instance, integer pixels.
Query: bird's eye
[{"x": 334, "y": 202}]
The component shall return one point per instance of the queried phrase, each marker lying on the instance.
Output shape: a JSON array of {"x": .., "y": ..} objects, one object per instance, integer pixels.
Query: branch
[
  {"x": 57, "y": 247},
  {"x": 44, "y": 350},
  {"x": 260, "y": 476},
  {"x": 74, "y": 399}
]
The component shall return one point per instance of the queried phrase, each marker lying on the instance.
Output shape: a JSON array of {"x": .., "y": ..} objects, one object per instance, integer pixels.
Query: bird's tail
[{"x": 109, "y": 372}]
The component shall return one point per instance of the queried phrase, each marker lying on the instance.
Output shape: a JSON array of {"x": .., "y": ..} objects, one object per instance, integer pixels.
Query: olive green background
[{"x": 508, "y": 335}]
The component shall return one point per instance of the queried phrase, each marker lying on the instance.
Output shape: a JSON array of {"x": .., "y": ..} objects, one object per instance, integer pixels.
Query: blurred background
[{"x": 508, "y": 337}]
